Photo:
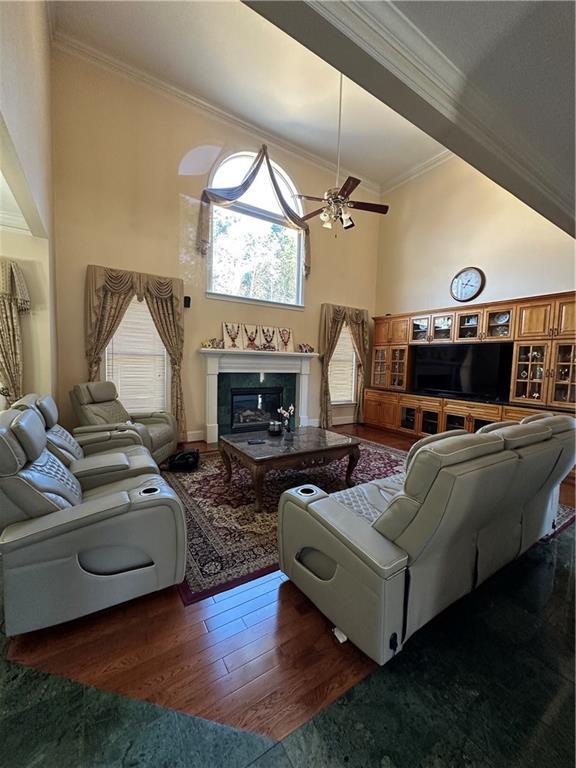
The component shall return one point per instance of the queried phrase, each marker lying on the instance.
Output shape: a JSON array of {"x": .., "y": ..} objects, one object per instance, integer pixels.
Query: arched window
[{"x": 254, "y": 254}]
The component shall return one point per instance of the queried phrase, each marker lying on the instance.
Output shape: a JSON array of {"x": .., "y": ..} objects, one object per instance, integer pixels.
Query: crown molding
[
  {"x": 70, "y": 45},
  {"x": 11, "y": 220},
  {"x": 392, "y": 40},
  {"x": 414, "y": 173}
]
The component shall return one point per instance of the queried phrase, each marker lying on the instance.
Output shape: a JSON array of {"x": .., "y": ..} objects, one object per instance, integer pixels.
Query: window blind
[
  {"x": 136, "y": 361},
  {"x": 342, "y": 369}
]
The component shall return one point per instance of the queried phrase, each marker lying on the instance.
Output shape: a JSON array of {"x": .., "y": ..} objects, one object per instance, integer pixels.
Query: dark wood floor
[{"x": 259, "y": 657}]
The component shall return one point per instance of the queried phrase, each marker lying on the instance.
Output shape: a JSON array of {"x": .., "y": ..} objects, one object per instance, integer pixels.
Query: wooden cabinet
[
  {"x": 432, "y": 329},
  {"x": 398, "y": 377},
  {"x": 441, "y": 327},
  {"x": 530, "y": 372},
  {"x": 565, "y": 318},
  {"x": 494, "y": 323},
  {"x": 562, "y": 375},
  {"x": 419, "y": 415},
  {"x": 380, "y": 366},
  {"x": 390, "y": 367},
  {"x": 468, "y": 325},
  {"x": 390, "y": 330},
  {"x": 380, "y": 409},
  {"x": 398, "y": 330},
  {"x": 534, "y": 320},
  {"x": 420, "y": 329},
  {"x": 497, "y": 324},
  {"x": 462, "y": 414}
]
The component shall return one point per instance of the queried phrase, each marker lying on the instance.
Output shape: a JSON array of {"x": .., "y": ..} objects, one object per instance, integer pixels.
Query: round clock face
[{"x": 467, "y": 284}]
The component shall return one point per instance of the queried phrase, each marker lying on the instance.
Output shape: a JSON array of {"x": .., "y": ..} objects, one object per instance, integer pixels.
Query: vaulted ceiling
[
  {"x": 492, "y": 81},
  {"x": 231, "y": 58}
]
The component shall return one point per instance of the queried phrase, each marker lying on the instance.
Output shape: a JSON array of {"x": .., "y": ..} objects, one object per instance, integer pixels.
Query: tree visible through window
[
  {"x": 342, "y": 369},
  {"x": 254, "y": 255},
  {"x": 137, "y": 362}
]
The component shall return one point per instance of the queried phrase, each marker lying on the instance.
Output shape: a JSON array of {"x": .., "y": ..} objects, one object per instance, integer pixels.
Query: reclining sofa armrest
[
  {"x": 120, "y": 426},
  {"x": 28, "y": 532},
  {"x": 154, "y": 417},
  {"x": 96, "y": 442},
  {"x": 373, "y": 549}
]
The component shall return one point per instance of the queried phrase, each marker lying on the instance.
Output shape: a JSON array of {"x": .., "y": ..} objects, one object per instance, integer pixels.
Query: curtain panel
[
  {"x": 14, "y": 301},
  {"x": 332, "y": 319},
  {"x": 108, "y": 295},
  {"x": 226, "y": 196}
]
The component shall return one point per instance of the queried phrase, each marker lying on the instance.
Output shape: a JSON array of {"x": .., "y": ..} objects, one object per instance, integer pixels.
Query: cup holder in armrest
[
  {"x": 305, "y": 490},
  {"x": 150, "y": 490}
]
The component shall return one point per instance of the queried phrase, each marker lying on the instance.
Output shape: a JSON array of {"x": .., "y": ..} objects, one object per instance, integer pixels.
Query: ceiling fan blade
[
  {"x": 311, "y": 215},
  {"x": 372, "y": 207},
  {"x": 348, "y": 187},
  {"x": 310, "y": 197}
]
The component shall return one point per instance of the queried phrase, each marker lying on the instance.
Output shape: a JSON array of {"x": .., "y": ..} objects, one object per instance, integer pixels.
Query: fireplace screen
[{"x": 253, "y": 408}]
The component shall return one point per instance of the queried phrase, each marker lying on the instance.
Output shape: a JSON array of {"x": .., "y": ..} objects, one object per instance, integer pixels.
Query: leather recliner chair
[
  {"x": 380, "y": 561},
  {"x": 96, "y": 403},
  {"x": 110, "y": 463},
  {"x": 67, "y": 552}
]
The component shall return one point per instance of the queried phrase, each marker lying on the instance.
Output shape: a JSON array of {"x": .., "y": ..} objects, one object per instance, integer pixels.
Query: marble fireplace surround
[{"x": 239, "y": 361}]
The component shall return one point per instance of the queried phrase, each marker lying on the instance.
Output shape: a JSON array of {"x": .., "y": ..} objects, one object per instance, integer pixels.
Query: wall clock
[{"x": 467, "y": 284}]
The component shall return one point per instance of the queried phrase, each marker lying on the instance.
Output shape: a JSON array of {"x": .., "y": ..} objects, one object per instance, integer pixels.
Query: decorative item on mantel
[
  {"x": 269, "y": 336},
  {"x": 305, "y": 348},
  {"x": 287, "y": 416},
  {"x": 231, "y": 332},
  {"x": 212, "y": 343},
  {"x": 285, "y": 340}
]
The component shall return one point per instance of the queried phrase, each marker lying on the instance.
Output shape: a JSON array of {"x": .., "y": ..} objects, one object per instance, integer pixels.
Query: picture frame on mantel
[
  {"x": 285, "y": 339},
  {"x": 251, "y": 337},
  {"x": 268, "y": 338},
  {"x": 232, "y": 335}
]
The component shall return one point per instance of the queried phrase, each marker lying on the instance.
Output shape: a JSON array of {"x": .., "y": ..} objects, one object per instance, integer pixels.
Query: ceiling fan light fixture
[{"x": 327, "y": 224}]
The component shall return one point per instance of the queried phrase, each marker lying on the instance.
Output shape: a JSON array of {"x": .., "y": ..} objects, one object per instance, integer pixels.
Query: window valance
[
  {"x": 13, "y": 285},
  {"x": 229, "y": 195}
]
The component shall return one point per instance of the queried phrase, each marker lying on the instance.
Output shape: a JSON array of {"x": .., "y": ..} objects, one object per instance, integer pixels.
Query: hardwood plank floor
[{"x": 259, "y": 656}]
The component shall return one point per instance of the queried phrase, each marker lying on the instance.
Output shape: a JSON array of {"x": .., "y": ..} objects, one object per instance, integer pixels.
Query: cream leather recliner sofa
[
  {"x": 382, "y": 559},
  {"x": 96, "y": 403},
  {"x": 106, "y": 465},
  {"x": 66, "y": 551}
]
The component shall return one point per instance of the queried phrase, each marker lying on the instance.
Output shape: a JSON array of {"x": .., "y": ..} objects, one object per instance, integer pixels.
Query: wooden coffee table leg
[
  {"x": 227, "y": 464},
  {"x": 258, "y": 473},
  {"x": 352, "y": 461}
]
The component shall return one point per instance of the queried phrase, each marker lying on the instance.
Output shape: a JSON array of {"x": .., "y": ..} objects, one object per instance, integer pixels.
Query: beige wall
[
  {"x": 32, "y": 255},
  {"x": 25, "y": 104},
  {"x": 120, "y": 202},
  {"x": 453, "y": 217}
]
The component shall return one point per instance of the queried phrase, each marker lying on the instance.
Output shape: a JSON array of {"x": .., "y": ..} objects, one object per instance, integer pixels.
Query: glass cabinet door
[
  {"x": 498, "y": 325},
  {"x": 528, "y": 375},
  {"x": 408, "y": 418},
  {"x": 380, "y": 366},
  {"x": 430, "y": 423},
  {"x": 420, "y": 329},
  {"x": 442, "y": 327},
  {"x": 468, "y": 326},
  {"x": 455, "y": 421},
  {"x": 398, "y": 368},
  {"x": 563, "y": 375}
]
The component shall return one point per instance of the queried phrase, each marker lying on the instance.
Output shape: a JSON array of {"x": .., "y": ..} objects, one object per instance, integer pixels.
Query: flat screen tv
[{"x": 468, "y": 371}]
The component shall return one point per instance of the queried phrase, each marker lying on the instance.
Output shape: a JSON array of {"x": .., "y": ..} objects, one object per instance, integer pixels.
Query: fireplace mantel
[{"x": 244, "y": 361}]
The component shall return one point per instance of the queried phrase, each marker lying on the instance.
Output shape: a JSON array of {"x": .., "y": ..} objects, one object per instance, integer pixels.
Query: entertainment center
[{"x": 461, "y": 368}]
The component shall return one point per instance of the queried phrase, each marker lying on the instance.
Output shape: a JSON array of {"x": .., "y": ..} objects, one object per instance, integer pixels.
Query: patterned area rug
[{"x": 228, "y": 541}]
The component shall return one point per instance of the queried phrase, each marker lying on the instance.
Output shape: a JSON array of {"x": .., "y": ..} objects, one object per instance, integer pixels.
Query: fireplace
[{"x": 251, "y": 408}]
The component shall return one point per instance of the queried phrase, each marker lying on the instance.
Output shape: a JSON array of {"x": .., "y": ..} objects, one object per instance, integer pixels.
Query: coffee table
[{"x": 312, "y": 447}]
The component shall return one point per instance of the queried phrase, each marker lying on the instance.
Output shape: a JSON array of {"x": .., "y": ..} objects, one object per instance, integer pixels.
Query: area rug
[{"x": 228, "y": 541}]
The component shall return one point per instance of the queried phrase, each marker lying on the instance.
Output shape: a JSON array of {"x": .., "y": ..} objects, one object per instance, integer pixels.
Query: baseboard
[{"x": 195, "y": 435}]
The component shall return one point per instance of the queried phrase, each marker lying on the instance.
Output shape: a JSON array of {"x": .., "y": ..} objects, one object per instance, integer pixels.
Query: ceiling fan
[{"x": 336, "y": 200}]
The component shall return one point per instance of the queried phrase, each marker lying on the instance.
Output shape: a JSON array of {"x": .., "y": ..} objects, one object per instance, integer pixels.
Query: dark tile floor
[{"x": 488, "y": 684}]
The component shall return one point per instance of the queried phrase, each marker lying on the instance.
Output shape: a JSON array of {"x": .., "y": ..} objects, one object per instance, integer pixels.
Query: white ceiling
[{"x": 229, "y": 56}]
